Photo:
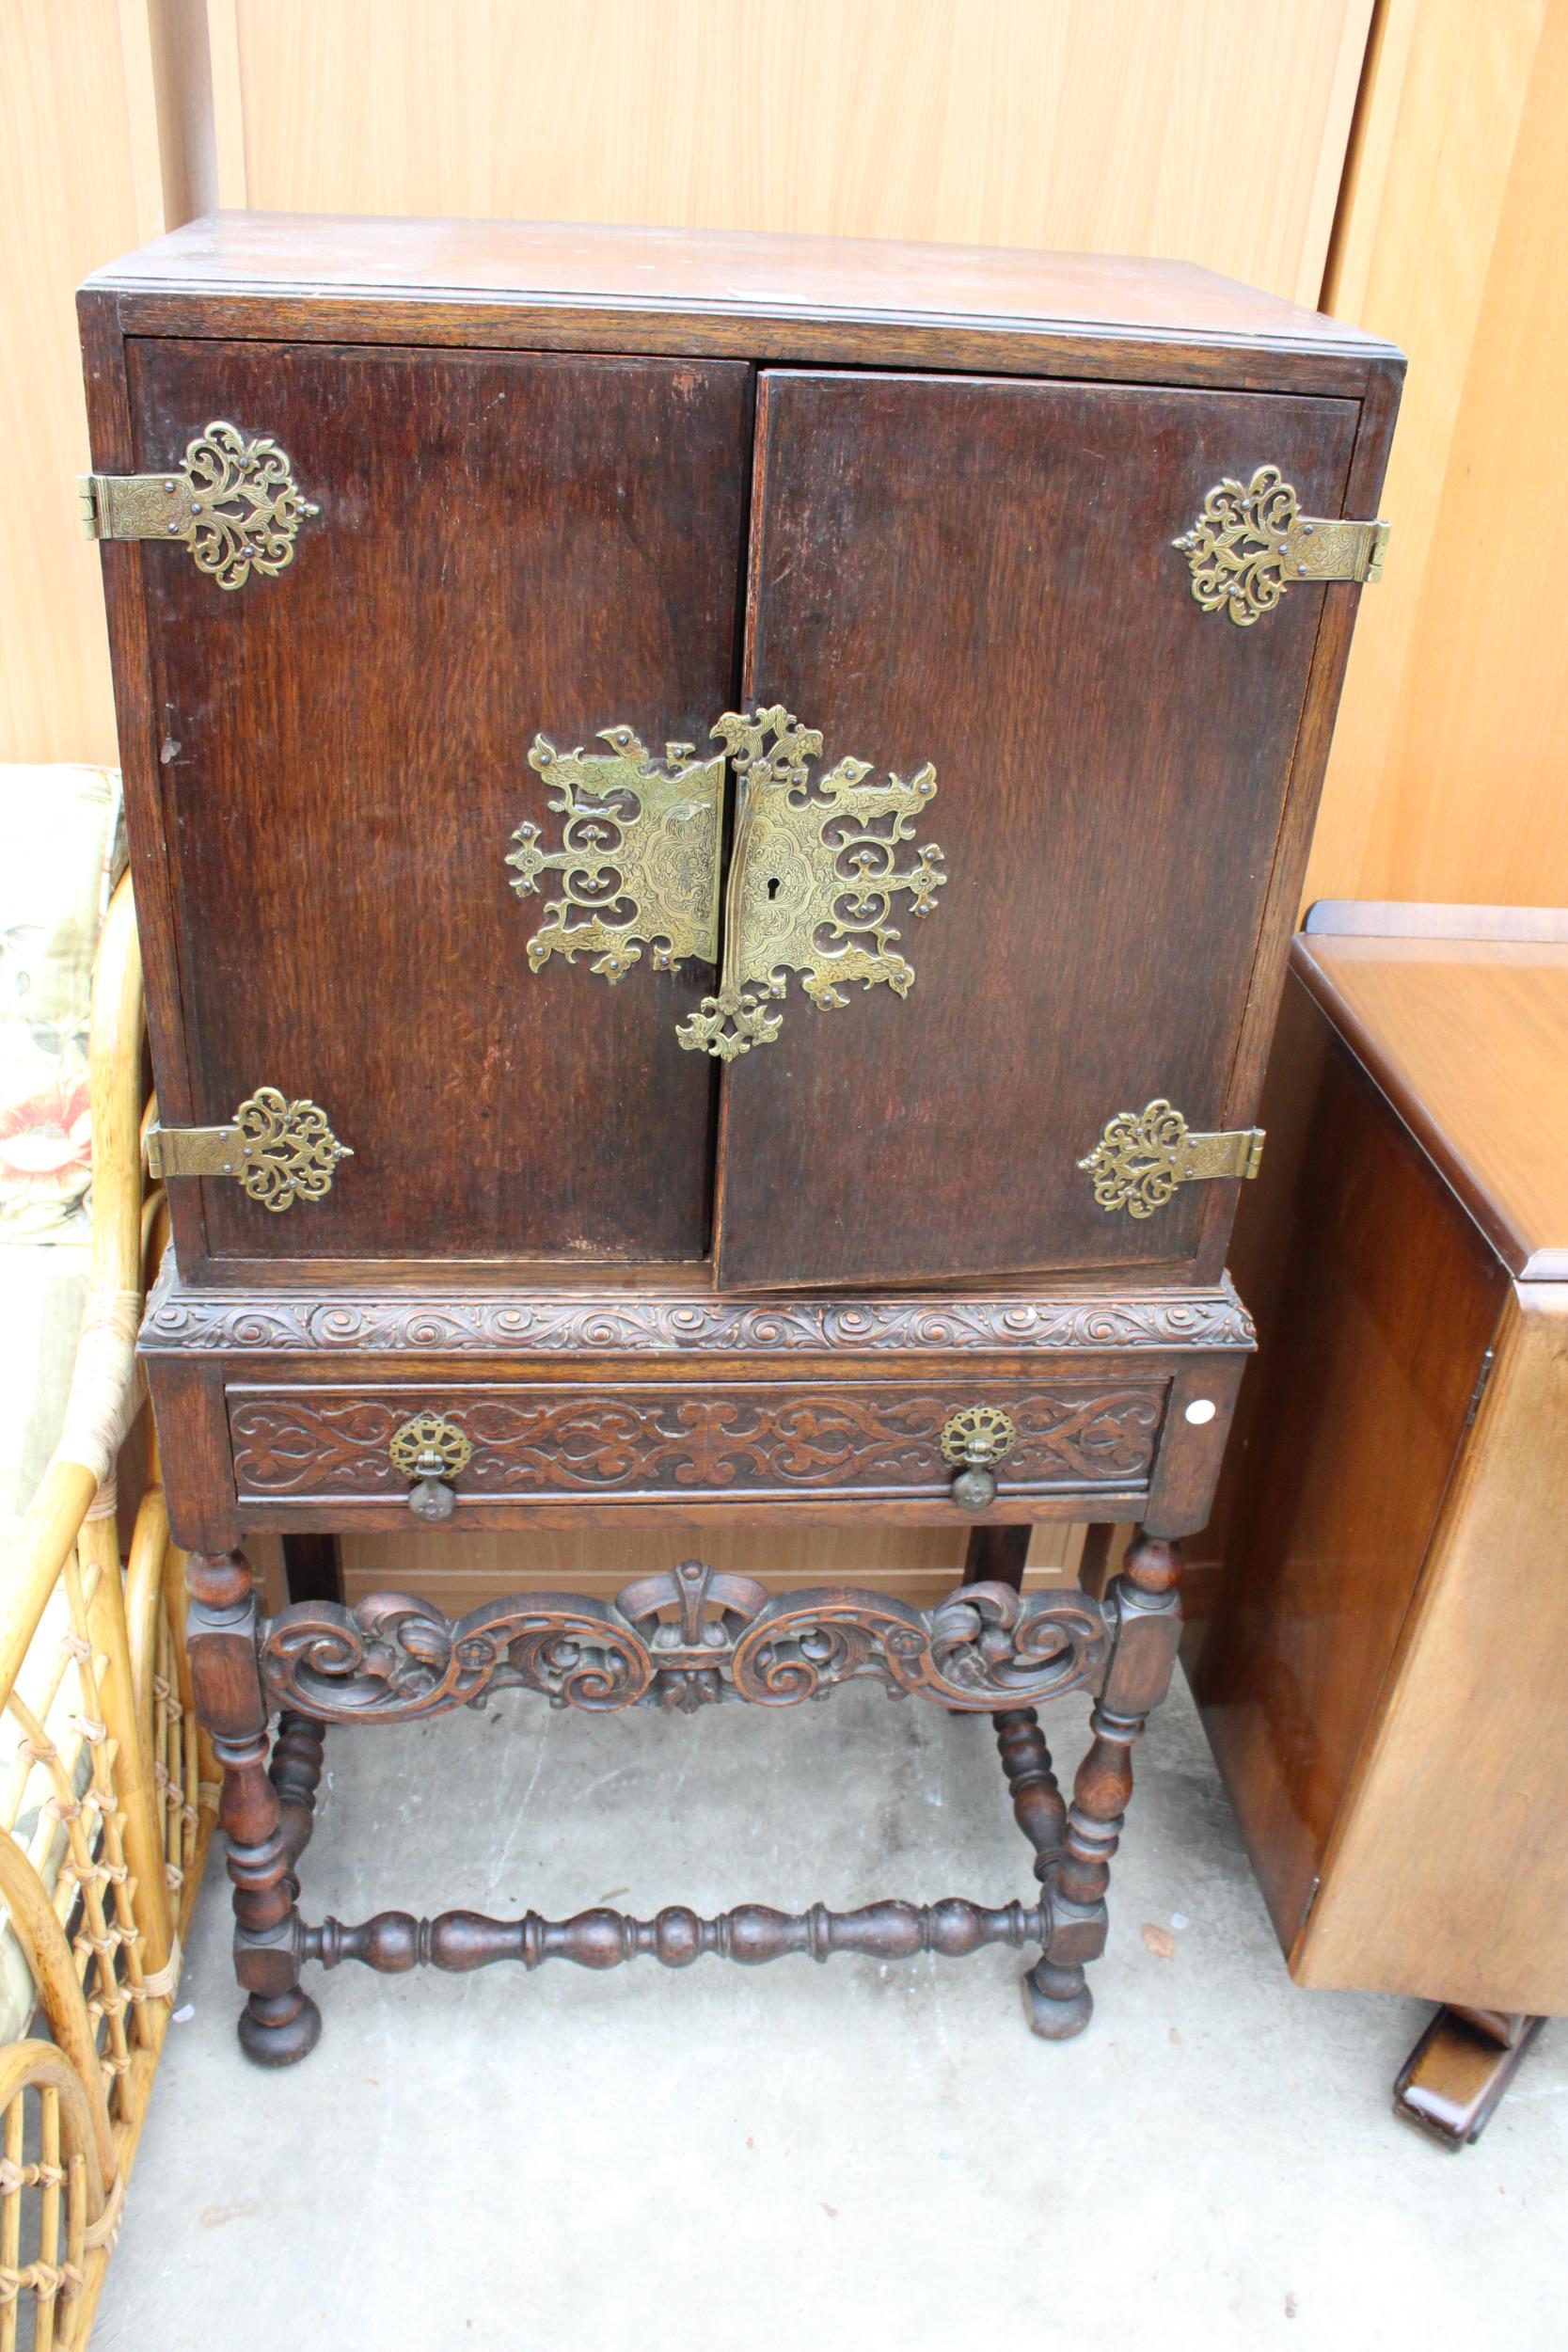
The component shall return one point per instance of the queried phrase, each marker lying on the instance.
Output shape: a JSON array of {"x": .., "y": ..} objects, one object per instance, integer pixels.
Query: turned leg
[
  {"x": 1038, "y": 1806},
  {"x": 298, "y": 1753},
  {"x": 1148, "y": 1617},
  {"x": 313, "y": 1568},
  {"x": 996, "y": 1555},
  {"x": 279, "y": 2022}
]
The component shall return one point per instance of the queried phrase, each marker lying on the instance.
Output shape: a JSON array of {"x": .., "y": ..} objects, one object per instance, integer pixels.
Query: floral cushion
[{"x": 60, "y": 855}]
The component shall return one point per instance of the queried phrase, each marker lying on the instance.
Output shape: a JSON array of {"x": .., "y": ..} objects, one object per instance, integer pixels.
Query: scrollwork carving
[
  {"x": 685, "y": 1640},
  {"x": 394, "y": 1657},
  {"x": 692, "y": 1323},
  {"x": 739, "y": 1440}
]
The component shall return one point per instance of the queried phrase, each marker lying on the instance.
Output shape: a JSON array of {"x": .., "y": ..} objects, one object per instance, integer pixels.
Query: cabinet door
[
  {"x": 506, "y": 543},
  {"x": 980, "y": 575}
]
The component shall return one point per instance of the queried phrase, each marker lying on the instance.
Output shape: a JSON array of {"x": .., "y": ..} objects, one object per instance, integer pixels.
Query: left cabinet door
[{"x": 326, "y": 770}]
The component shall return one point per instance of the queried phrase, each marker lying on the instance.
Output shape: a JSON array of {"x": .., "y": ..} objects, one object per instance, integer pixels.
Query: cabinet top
[
  {"x": 1460, "y": 1014},
  {"x": 705, "y": 291}
]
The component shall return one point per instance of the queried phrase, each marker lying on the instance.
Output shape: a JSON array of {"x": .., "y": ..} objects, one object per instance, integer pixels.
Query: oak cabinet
[{"x": 716, "y": 825}]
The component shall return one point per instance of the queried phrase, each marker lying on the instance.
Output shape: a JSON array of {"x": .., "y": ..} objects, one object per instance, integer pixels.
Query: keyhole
[{"x": 773, "y": 885}]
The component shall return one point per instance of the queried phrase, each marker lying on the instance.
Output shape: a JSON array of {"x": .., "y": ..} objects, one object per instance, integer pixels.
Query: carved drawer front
[{"x": 738, "y": 1442}]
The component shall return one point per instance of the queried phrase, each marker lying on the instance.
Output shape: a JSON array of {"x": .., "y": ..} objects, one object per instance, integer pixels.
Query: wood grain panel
[
  {"x": 1495, "y": 1119},
  {"x": 932, "y": 581},
  {"x": 1449, "y": 1873},
  {"x": 507, "y": 544},
  {"x": 921, "y": 1564},
  {"x": 1388, "y": 1297},
  {"x": 1093, "y": 125},
  {"x": 1446, "y": 776},
  {"x": 78, "y": 182}
]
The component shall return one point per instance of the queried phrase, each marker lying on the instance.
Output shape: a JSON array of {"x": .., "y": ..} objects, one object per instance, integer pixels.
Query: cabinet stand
[{"x": 683, "y": 1640}]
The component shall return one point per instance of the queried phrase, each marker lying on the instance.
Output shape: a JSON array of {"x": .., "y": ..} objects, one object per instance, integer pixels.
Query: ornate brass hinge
[
  {"x": 813, "y": 875},
  {"x": 1248, "y": 546},
  {"x": 1143, "y": 1155},
  {"x": 281, "y": 1152},
  {"x": 639, "y": 860},
  {"x": 234, "y": 502}
]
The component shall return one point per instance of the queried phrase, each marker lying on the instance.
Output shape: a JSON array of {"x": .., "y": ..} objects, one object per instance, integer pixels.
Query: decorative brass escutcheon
[
  {"x": 639, "y": 860},
  {"x": 815, "y": 869},
  {"x": 233, "y": 502},
  {"x": 281, "y": 1152},
  {"x": 814, "y": 875},
  {"x": 973, "y": 1441},
  {"x": 430, "y": 1451},
  {"x": 1143, "y": 1155},
  {"x": 1248, "y": 546}
]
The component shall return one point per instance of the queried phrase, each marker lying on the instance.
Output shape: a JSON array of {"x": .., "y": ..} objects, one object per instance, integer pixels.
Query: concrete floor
[{"x": 802, "y": 2156}]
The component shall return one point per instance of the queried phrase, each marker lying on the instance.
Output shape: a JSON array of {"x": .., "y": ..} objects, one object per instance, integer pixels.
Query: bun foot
[
  {"x": 279, "y": 2029},
  {"x": 1057, "y": 2004}
]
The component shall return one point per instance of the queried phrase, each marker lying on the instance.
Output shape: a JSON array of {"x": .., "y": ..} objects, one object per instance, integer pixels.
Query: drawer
[{"x": 738, "y": 1441}]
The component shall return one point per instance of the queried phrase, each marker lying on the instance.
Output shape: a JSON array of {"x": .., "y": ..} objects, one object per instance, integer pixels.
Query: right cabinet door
[{"x": 979, "y": 573}]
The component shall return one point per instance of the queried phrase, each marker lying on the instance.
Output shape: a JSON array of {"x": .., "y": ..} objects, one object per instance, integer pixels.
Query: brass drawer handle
[
  {"x": 431, "y": 1452},
  {"x": 972, "y": 1441}
]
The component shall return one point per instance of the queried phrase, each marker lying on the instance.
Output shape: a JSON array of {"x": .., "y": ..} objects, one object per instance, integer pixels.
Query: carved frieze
[
  {"x": 736, "y": 1441},
  {"x": 683, "y": 1323},
  {"x": 685, "y": 1640}
]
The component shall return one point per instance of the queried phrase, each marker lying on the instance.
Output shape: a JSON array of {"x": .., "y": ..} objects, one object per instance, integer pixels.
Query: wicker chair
[{"x": 107, "y": 1793}]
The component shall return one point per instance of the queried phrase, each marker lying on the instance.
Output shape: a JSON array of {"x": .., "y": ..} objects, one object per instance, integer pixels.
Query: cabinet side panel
[
  {"x": 1448, "y": 1877},
  {"x": 1368, "y": 1363}
]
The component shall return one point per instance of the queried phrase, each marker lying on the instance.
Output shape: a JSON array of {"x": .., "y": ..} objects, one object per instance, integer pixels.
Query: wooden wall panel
[
  {"x": 1208, "y": 129},
  {"x": 1213, "y": 130},
  {"x": 921, "y": 1564},
  {"x": 1447, "y": 779},
  {"x": 79, "y": 182}
]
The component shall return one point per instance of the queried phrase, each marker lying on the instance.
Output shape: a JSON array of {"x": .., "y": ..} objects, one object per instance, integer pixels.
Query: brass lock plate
[
  {"x": 639, "y": 860},
  {"x": 815, "y": 877}
]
